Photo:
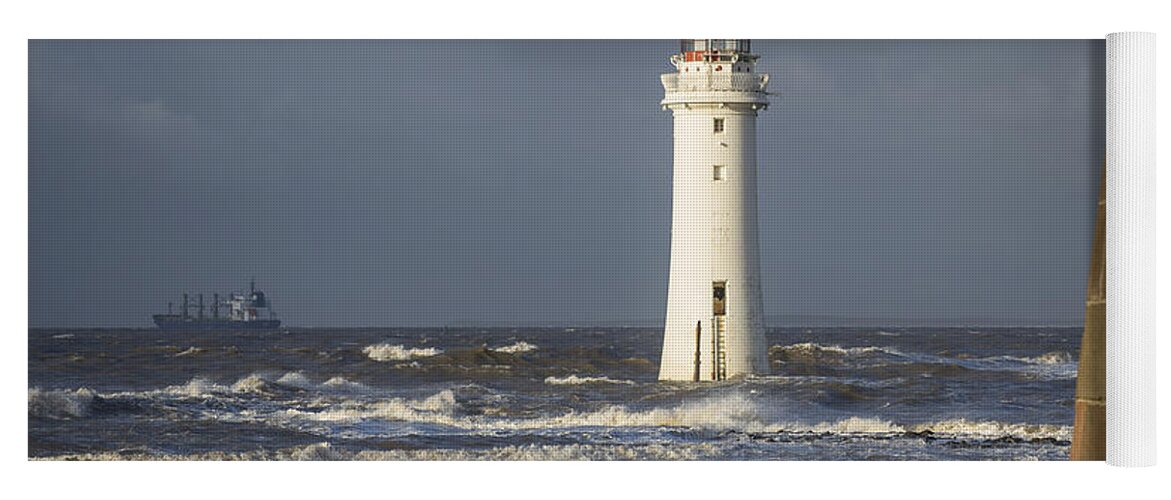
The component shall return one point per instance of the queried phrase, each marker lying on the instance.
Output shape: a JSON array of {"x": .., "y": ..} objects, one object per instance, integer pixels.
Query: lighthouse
[{"x": 715, "y": 319}]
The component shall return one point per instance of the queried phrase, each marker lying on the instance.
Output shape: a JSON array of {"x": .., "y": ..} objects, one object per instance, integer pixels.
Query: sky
[{"x": 431, "y": 183}]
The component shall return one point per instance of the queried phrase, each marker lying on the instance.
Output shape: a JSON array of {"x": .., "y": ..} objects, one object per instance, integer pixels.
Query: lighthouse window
[
  {"x": 717, "y": 172},
  {"x": 718, "y": 125}
]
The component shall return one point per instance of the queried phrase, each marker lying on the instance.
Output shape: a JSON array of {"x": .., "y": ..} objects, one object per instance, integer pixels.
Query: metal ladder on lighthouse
[{"x": 719, "y": 349}]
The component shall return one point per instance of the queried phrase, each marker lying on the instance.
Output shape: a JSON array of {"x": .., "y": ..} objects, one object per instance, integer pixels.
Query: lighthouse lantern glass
[{"x": 694, "y": 45}]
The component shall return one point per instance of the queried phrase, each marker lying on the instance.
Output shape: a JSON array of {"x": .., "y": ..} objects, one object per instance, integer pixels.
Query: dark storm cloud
[{"x": 441, "y": 182}]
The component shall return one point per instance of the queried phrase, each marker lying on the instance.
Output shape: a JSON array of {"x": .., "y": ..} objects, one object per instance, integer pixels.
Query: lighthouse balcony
[
  {"x": 709, "y": 82},
  {"x": 696, "y": 88}
]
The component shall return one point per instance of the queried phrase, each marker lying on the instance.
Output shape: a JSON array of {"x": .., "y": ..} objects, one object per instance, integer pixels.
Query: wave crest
[
  {"x": 60, "y": 404},
  {"x": 1051, "y": 358},
  {"x": 516, "y": 348},
  {"x": 989, "y": 429},
  {"x": 191, "y": 351},
  {"x": 198, "y": 387},
  {"x": 389, "y": 352},
  {"x": 733, "y": 411},
  {"x": 853, "y": 425},
  {"x": 342, "y": 383},
  {"x": 730, "y": 412},
  {"x": 809, "y": 348},
  {"x": 576, "y": 380},
  {"x": 326, "y": 451},
  {"x": 254, "y": 384}
]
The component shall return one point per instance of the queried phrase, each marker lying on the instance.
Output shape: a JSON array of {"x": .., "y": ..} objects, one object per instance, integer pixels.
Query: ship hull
[{"x": 169, "y": 322}]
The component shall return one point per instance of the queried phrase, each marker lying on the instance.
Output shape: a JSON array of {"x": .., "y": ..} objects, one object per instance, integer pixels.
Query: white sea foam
[
  {"x": 441, "y": 402},
  {"x": 851, "y": 425},
  {"x": 251, "y": 384},
  {"x": 191, "y": 351},
  {"x": 439, "y": 408},
  {"x": 516, "y": 348},
  {"x": 1051, "y": 365},
  {"x": 389, "y": 352},
  {"x": 202, "y": 388},
  {"x": 735, "y": 411},
  {"x": 957, "y": 428},
  {"x": 812, "y": 348},
  {"x": 196, "y": 387},
  {"x": 343, "y": 384},
  {"x": 256, "y": 383},
  {"x": 1057, "y": 357},
  {"x": 1051, "y": 358},
  {"x": 61, "y": 336},
  {"x": 993, "y": 429},
  {"x": 326, "y": 451},
  {"x": 296, "y": 379},
  {"x": 576, "y": 380},
  {"x": 60, "y": 404}
]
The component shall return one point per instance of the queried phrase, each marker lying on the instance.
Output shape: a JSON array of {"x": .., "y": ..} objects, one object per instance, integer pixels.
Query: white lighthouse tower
[{"x": 715, "y": 318}]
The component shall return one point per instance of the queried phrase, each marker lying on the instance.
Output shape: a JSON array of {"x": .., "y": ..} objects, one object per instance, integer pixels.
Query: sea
[{"x": 585, "y": 393}]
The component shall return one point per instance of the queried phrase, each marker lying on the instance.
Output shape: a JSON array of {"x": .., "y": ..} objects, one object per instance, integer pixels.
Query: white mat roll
[{"x": 1130, "y": 245}]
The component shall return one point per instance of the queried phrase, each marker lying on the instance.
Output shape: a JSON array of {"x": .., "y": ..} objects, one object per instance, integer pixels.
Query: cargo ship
[{"x": 251, "y": 311}]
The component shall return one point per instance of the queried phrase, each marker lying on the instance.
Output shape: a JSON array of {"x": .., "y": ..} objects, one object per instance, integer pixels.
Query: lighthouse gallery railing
[{"x": 704, "y": 82}]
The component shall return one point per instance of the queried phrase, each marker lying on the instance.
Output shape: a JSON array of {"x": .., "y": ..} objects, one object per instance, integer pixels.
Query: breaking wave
[
  {"x": 576, "y": 380},
  {"x": 516, "y": 348},
  {"x": 733, "y": 412},
  {"x": 250, "y": 384},
  {"x": 256, "y": 384},
  {"x": 850, "y": 426},
  {"x": 389, "y": 352},
  {"x": 808, "y": 348},
  {"x": 60, "y": 404},
  {"x": 259, "y": 384},
  {"x": 737, "y": 416},
  {"x": 326, "y": 451},
  {"x": 1051, "y": 365},
  {"x": 296, "y": 379},
  {"x": 191, "y": 351},
  {"x": 341, "y": 383},
  {"x": 729, "y": 412},
  {"x": 989, "y": 429},
  {"x": 1050, "y": 358}
]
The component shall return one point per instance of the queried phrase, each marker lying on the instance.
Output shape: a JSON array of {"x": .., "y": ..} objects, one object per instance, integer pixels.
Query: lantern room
[
  {"x": 714, "y": 50},
  {"x": 714, "y": 56}
]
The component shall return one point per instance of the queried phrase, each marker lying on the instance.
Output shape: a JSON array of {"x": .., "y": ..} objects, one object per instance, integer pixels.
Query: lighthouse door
[
  {"x": 719, "y": 296},
  {"x": 719, "y": 342}
]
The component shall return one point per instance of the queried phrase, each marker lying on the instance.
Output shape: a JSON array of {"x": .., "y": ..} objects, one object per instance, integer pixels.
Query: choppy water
[{"x": 544, "y": 393}]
